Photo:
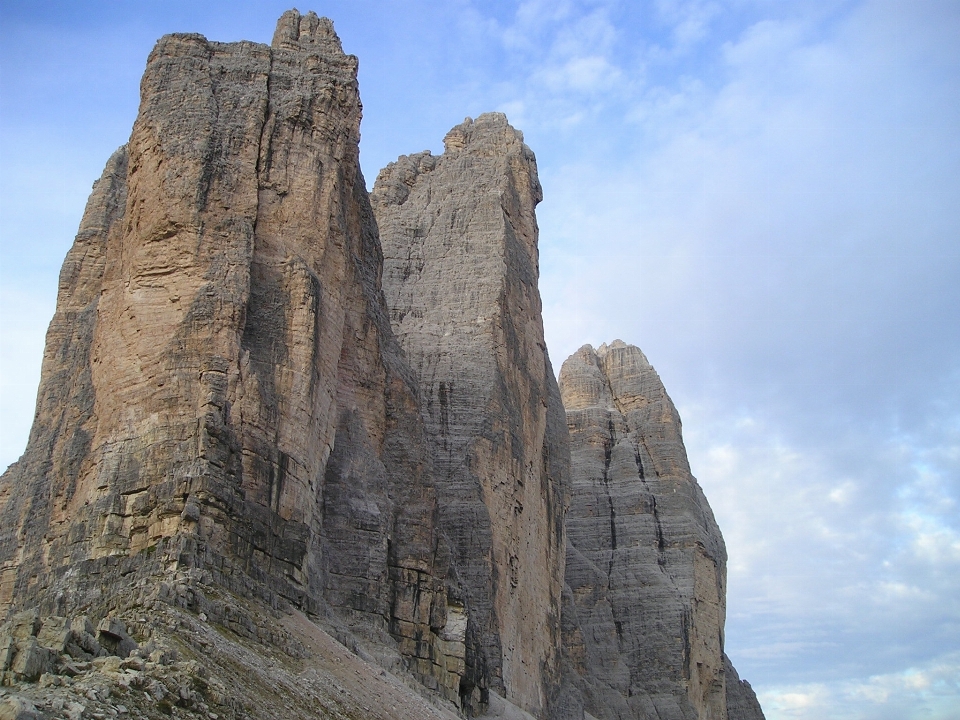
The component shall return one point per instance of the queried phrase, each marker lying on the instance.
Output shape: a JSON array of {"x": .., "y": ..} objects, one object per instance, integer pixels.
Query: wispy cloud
[
  {"x": 926, "y": 692},
  {"x": 778, "y": 234},
  {"x": 566, "y": 61},
  {"x": 688, "y": 23}
]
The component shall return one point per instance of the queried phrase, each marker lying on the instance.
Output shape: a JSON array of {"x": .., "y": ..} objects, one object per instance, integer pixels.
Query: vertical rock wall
[
  {"x": 59, "y": 445},
  {"x": 646, "y": 564},
  {"x": 220, "y": 381},
  {"x": 459, "y": 237},
  {"x": 228, "y": 393}
]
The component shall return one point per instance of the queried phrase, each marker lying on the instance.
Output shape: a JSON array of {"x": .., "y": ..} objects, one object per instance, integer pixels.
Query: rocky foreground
[{"x": 299, "y": 451}]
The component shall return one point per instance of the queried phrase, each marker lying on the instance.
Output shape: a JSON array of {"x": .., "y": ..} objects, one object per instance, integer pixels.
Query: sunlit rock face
[
  {"x": 220, "y": 380},
  {"x": 459, "y": 238},
  {"x": 646, "y": 564}
]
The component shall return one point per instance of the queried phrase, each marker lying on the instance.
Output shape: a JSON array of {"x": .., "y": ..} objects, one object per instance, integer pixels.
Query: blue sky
[{"x": 763, "y": 195}]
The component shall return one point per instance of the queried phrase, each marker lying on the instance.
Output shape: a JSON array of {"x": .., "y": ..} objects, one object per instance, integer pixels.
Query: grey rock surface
[
  {"x": 64, "y": 423},
  {"x": 500, "y": 709},
  {"x": 742, "y": 703},
  {"x": 646, "y": 565},
  {"x": 249, "y": 663},
  {"x": 461, "y": 265}
]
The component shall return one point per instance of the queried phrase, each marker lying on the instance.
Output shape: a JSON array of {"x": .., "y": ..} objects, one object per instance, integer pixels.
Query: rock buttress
[
  {"x": 221, "y": 389},
  {"x": 459, "y": 236},
  {"x": 646, "y": 564}
]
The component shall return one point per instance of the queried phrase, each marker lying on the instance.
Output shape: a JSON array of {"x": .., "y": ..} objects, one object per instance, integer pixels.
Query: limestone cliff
[
  {"x": 221, "y": 388},
  {"x": 646, "y": 564},
  {"x": 461, "y": 265},
  {"x": 276, "y": 413}
]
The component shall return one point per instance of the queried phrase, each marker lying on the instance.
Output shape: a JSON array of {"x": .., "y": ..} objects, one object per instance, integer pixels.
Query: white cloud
[
  {"x": 761, "y": 48},
  {"x": 931, "y": 541},
  {"x": 20, "y": 355},
  {"x": 565, "y": 56},
  {"x": 688, "y": 21},
  {"x": 515, "y": 110},
  {"x": 897, "y": 592},
  {"x": 831, "y": 573},
  {"x": 842, "y": 493},
  {"x": 591, "y": 74},
  {"x": 926, "y": 692}
]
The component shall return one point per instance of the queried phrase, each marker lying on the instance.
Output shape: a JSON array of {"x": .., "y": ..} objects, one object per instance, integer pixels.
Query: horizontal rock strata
[
  {"x": 220, "y": 381},
  {"x": 271, "y": 403},
  {"x": 742, "y": 703},
  {"x": 459, "y": 238},
  {"x": 646, "y": 564}
]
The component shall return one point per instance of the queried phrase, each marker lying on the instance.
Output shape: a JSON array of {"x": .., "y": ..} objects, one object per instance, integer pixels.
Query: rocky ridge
[
  {"x": 241, "y": 661},
  {"x": 300, "y": 452}
]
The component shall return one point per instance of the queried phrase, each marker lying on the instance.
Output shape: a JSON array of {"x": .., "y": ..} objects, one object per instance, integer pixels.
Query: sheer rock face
[
  {"x": 459, "y": 238},
  {"x": 64, "y": 424},
  {"x": 646, "y": 564},
  {"x": 233, "y": 416},
  {"x": 220, "y": 380}
]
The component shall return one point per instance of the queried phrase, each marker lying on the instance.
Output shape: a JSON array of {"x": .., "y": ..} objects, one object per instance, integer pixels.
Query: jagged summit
[
  {"x": 304, "y": 32},
  {"x": 299, "y": 450},
  {"x": 493, "y": 128},
  {"x": 618, "y": 345}
]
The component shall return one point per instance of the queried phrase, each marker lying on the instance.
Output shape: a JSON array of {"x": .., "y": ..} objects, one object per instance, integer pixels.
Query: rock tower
[
  {"x": 299, "y": 451},
  {"x": 221, "y": 389},
  {"x": 646, "y": 564},
  {"x": 461, "y": 264}
]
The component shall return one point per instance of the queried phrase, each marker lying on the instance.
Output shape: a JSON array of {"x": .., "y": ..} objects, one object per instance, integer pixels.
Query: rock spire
[
  {"x": 461, "y": 264},
  {"x": 221, "y": 389},
  {"x": 646, "y": 564}
]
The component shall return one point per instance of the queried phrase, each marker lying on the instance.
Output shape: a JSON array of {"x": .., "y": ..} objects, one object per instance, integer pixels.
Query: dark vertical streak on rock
[{"x": 647, "y": 643}]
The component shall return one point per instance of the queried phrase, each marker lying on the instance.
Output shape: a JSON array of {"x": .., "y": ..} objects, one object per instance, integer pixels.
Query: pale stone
[
  {"x": 646, "y": 564},
  {"x": 459, "y": 237}
]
